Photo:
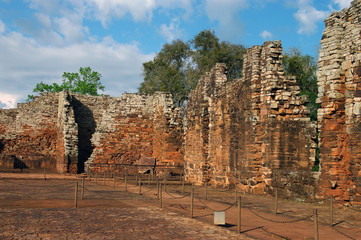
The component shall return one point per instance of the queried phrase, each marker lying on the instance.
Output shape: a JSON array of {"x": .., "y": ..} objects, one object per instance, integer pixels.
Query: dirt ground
[{"x": 34, "y": 208}]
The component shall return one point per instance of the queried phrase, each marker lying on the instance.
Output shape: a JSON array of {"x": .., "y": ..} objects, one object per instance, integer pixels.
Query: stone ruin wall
[
  {"x": 137, "y": 126},
  {"x": 62, "y": 131},
  {"x": 28, "y": 134},
  {"x": 252, "y": 132},
  {"x": 340, "y": 98}
]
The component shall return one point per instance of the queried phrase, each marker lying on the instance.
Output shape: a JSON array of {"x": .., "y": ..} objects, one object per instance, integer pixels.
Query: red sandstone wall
[
  {"x": 31, "y": 136},
  {"x": 340, "y": 96},
  {"x": 167, "y": 132},
  {"x": 136, "y": 126},
  {"x": 250, "y": 130}
]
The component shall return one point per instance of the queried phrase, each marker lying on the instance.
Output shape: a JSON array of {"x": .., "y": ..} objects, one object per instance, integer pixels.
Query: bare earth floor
[{"x": 32, "y": 208}]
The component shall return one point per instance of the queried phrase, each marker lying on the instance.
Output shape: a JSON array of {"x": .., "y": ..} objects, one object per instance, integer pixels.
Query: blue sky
[{"x": 41, "y": 39}]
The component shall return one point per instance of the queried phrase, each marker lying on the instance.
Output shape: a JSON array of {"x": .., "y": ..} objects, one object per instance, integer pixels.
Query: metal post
[
  {"x": 76, "y": 195},
  {"x": 165, "y": 183},
  {"x": 239, "y": 214},
  {"x": 183, "y": 187},
  {"x": 206, "y": 190},
  {"x": 158, "y": 189},
  {"x": 96, "y": 177},
  {"x": 44, "y": 173},
  {"x": 276, "y": 200},
  {"x": 315, "y": 224},
  {"x": 125, "y": 182},
  {"x": 235, "y": 193},
  {"x": 113, "y": 181},
  {"x": 104, "y": 178},
  {"x": 82, "y": 189},
  {"x": 160, "y": 195},
  {"x": 192, "y": 199},
  {"x": 88, "y": 172},
  {"x": 331, "y": 209},
  {"x": 140, "y": 186}
]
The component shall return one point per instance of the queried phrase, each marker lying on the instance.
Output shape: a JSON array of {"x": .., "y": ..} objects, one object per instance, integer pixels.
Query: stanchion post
[
  {"x": 125, "y": 182},
  {"x": 165, "y": 183},
  {"x": 239, "y": 214},
  {"x": 82, "y": 189},
  {"x": 160, "y": 195},
  {"x": 235, "y": 193},
  {"x": 88, "y": 172},
  {"x": 183, "y": 186},
  {"x": 140, "y": 186},
  {"x": 96, "y": 177},
  {"x": 44, "y": 173},
  {"x": 113, "y": 181},
  {"x": 276, "y": 200},
  {"x": 76, "y": 195},
  {"x": 158, "y": 189},
  {"x": 192, "y": 200},
  {"x": 206, "y": 190},
  {"x": 315, "y": 224},
  {"x": 104, "y": 179},
  {"x": 331, "y": 209}
]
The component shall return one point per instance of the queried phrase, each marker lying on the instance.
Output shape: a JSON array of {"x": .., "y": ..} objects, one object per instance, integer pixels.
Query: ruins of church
[{"x": 253, "y": 133}]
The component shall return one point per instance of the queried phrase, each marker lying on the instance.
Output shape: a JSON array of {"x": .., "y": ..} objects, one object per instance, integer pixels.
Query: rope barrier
[
  {"x": 214, "y": 209},
  {"x": 101, "y": 195},
  {"x": 334, "y": 228},
  {"x": 172, "y": 196},
  {"x": 344, "y": 234},
  {"x": 30, "y": 185},
  {"x": 356, "y": 210},
  {"x": 149, "y": 190},
  {"x": 276, "y": 221}
]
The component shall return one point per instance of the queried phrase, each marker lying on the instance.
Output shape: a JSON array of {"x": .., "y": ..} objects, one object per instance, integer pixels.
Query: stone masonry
[
  {"x": 252, "y": 132},
  {"x": 340, "y": 97},
  {"x": 62, "y": 131}
]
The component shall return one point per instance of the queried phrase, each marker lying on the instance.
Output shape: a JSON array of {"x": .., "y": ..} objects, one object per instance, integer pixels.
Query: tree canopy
[
  {"x": 304, "y": 68},
  {"x": 85, "y": 82},
  {"x": 179, "y": 65}
]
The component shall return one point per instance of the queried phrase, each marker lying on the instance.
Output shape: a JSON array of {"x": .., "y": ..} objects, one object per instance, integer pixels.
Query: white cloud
[
  {"x": 2, "y": 27},
  {"x": 71, "y": 28},
  {"x": 24, "y": 62},
  {"x": 8, "y": 100},
  {"x": 140, "y": 10},
  {"x": 226, "y": 12},
  {"x": 172, "y": 31},
  {"x": 266, "y": 35},
  {"x": 342, "y": 3},
  {"x": 308, "y": 16},
  {"x": 43, "y": 19}
]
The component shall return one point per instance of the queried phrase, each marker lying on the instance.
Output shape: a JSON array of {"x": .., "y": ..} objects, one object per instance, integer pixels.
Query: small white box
[{"x": 219, "y": 218}]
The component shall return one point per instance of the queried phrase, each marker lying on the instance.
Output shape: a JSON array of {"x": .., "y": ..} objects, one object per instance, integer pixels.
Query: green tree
[
  {"x": 304, "y": 68},
  {"x": 179, "y": 65},
  {"x": 167, "y": 71},
  {"x": 85, "y": 82},
  {"x": 209, "y": 51}
]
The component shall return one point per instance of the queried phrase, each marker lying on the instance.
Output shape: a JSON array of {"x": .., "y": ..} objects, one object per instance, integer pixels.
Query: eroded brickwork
[
  {"x": 62, "y": 131},
  {"x": 340, "y": 97},
  {"x": 28, "y": 134},
  {"x": 138, "y": 126},
  {"x": 253, "y": 132}
]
